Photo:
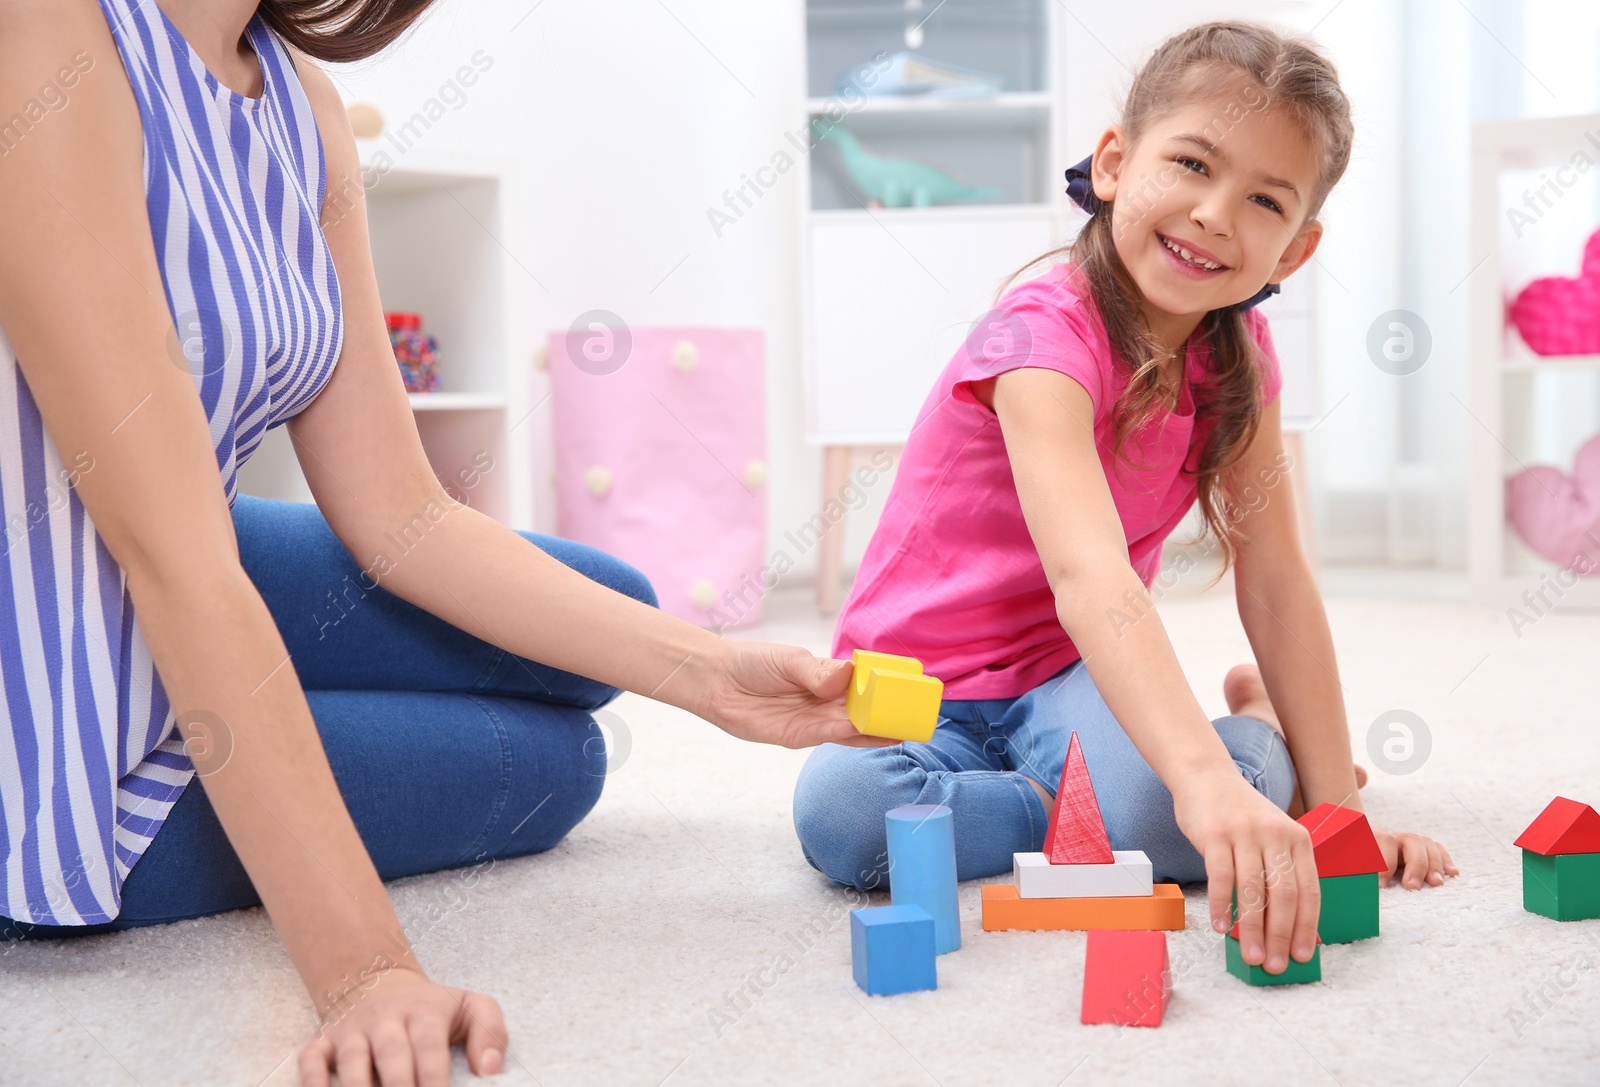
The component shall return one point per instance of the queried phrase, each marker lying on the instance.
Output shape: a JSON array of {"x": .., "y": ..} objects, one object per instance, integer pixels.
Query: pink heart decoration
[
  {"x": 1559, "y": 316},
  {"x": 1553, "y": 511}
]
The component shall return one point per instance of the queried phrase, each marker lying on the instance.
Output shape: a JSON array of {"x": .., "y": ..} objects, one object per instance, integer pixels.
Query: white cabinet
[
  {"x": 1526, "y": 409},
  {"x": 434, "y": 223},
  {"x": 891, "y": 292}
]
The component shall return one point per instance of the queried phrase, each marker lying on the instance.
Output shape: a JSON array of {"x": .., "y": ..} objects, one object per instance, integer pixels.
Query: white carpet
[{"x": 621, "y": 956}]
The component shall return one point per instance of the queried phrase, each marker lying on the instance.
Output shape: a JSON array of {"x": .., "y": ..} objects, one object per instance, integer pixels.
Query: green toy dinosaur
[{"x": 897, "y": 181}]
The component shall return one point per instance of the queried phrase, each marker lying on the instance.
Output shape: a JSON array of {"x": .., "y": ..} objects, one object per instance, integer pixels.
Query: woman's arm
[
  {"x": 363, "y": 459},
  {"x": 83, "y": 304},
  {"x": 1047, "y": 421},
  {"x": 1281, "y": 609}
]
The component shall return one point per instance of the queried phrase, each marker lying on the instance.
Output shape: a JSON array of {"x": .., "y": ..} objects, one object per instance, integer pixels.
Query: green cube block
[
  {"x": 1295, "y": 974},
  {"x": 1349, "y": 908},
  {"x": 1565, "y": 887}
]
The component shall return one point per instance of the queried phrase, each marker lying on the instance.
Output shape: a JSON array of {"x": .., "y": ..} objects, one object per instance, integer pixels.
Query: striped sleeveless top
[{"x": 91, "y": 762}]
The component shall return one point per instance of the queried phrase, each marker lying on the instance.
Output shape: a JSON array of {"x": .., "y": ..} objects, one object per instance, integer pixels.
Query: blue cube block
[{"x": 891, "y": 950}]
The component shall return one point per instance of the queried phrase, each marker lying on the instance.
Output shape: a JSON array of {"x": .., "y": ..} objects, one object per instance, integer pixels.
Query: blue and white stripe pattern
[{"x": 92, "y": 763}]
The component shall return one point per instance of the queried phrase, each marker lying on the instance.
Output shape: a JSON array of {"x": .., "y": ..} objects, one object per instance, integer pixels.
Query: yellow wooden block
[{"x": 889, "y": 696}]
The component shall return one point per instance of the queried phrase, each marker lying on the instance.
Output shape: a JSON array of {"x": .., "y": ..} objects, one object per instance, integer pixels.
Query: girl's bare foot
[{"x": 1246, "y": 694}]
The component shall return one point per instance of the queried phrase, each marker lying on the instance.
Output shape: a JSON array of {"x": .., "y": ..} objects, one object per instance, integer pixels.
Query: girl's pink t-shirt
[{"x": 951, "y": 576}]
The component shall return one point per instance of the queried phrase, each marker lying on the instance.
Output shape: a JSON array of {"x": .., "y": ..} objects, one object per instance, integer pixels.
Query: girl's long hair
[
  {"x": 1269, "y": 71},
  {"x": 338, "y": 31}
]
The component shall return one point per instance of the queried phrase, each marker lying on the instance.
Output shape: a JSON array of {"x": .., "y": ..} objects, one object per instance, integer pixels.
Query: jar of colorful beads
[{"x": 415, "y": 351}]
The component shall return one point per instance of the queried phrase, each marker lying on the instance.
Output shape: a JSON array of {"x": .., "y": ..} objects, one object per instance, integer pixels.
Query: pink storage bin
[{"x": 660, "y": 458}]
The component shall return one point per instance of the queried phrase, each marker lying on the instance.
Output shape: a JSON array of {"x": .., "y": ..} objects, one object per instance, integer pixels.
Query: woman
[{"x": 167, "y": 294}]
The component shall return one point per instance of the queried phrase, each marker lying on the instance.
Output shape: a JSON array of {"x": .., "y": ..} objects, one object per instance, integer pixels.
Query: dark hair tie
[{"x": 1080, "y": 187}]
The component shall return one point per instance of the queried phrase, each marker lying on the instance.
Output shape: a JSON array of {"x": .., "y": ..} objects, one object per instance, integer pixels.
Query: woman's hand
[
  {"x": 781, "y": 694},
  {"x": 404, "y": 1026},
  {"x": 1424, "y": 860},
  {"x": 1248, "y": 843}
]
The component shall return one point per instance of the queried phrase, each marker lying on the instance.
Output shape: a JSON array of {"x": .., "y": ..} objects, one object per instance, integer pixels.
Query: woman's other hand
[{"x": 398, "y": 1032}]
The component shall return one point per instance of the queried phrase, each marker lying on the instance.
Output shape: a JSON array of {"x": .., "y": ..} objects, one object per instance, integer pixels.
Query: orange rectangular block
[{"x": 1003, "y": 908}]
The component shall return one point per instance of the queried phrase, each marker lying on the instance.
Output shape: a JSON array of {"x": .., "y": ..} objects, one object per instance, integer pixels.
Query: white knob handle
[
  {"x": 685, "y": 356},
  {"x": 702, "y": 594}
]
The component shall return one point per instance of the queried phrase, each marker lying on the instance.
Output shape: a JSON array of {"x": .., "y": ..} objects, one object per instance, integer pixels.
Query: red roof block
[
  {"x": 1077, "y": 834},
  {"x": 1565, "y": 826},
  {"x": 1126, "y": 978},
  {"x": 1343, "y": 841}
]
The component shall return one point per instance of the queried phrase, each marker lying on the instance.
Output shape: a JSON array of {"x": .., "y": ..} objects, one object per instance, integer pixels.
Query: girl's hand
[
  {"x": 781, "y": 694},
  {"x": 404, "y": 1025},
  {"x": 1425, "y": 860},
  {"x": 1248, "y": 843}
]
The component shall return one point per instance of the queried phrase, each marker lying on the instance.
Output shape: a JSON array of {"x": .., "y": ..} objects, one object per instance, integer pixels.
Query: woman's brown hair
[
  {"x": 339, "y": 31},
  {"x": 1269, "y": 71}
]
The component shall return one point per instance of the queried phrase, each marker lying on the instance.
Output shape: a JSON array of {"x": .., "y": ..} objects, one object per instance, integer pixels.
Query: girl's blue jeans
[
  {"x": 449, "y": 751},
  {"x": 978, "y": 763}
]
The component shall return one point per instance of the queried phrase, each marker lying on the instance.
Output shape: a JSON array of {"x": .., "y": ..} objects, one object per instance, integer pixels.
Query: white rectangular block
[{"x": 1128, "y": 874}]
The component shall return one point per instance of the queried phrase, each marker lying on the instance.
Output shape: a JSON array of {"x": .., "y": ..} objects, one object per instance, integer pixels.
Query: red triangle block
[
  {"x": 1077, "y": 834},
  {"x": 1343, "y": 842},
  {"x": 1565, "y": 826},
  {"x": 1126, "y": 978}
]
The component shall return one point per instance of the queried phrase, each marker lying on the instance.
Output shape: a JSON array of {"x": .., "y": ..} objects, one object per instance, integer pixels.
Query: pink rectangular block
[{"x": 660, "y": 456}]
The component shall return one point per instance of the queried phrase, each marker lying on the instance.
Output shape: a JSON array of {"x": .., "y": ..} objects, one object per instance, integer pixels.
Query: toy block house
[
  {"x": 1295, "y": 973},
  {"x": 1348, "y": 864},
  {"x": 1078, "y": 881},
  {"x": 1561, "y": 862}
]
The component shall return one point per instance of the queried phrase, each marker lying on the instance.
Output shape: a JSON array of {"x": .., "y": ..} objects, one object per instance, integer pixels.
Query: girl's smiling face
[{"x": 1210, "y": 205}]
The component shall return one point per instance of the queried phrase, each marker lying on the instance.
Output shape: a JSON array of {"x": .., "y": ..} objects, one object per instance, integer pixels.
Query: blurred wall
[{"x": 629, "y": 119}]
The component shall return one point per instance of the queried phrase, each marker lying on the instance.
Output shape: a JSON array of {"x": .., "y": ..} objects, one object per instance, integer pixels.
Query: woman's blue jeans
[
  {"x": 449, "y": 751},
  {"x": 978, "y": 762}
]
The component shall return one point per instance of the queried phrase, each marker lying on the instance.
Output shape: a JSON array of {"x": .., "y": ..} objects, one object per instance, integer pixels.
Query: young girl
[{"x": 1057, "y": 451}]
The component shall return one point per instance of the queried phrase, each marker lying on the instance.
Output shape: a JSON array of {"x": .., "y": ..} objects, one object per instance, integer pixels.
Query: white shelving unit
[
  {"x": 1019, "y": 109},
  {"x": 435, "y": 223},
  {"x": 889, "y": 294},
  {"x": 1527, "y": 409}
]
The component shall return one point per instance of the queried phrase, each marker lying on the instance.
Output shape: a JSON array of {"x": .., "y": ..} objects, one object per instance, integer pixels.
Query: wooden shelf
[
  {"x": 456, "y": 401},
  {"x": 1525, "y": 362},
  {"x": 1006, "y": 102},
  {"x": 1013, "y": 115},
  {"x": 990, "y": 213}
]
